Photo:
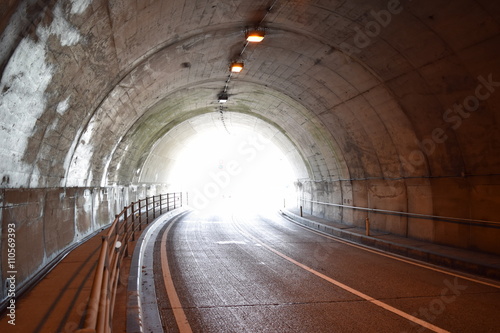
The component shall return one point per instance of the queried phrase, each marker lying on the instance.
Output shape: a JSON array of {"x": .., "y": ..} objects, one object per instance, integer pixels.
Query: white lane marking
[
  {"x": 230, "y": 242},
  {"x": 180, "y": 316},
  {"x": 393, "y": 256},
  {"x": 349, "y": 289}
]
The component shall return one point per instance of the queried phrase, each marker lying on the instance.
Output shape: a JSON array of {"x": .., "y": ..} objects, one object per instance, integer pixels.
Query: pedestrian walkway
[
  {"x": 478, "y": 263},
  {"x": 58, "y": 302}
]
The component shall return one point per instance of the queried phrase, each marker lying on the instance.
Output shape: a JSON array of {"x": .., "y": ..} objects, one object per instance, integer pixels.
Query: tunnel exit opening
[{"x": 240, "y": 169}]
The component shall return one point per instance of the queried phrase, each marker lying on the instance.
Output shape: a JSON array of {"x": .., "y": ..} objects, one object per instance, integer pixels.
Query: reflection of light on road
[{"x": 242, "y": 170}]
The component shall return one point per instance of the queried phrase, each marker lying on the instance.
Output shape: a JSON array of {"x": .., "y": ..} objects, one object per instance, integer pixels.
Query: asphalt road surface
[{"x": 248, "y": 273}]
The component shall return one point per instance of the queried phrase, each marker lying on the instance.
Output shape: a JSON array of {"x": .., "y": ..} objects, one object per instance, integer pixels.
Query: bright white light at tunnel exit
[{"x": 242, "y": 169}]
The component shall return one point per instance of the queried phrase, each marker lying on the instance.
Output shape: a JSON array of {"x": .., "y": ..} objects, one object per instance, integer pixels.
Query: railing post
[
  {"x": 147, "y": 210},
  {"x": 126, "y": 246},
  {"x": 175, "y": 199},
  {"x": 133, "y": 220},
  {"x": 168, "y": 202},
  {"x": 180, "y": 195},
  {"x": 114, "y": 287},
  {"x": 101, "y": 316},
  {"x": 117, "y": 217},
  {"x": 95, "y": 295},
  {"x": 154, "y": 208},
  {"x": 125, "y": 220},
  {"x": 160, "y": 205},
  {"x": 140, "y": 216}
]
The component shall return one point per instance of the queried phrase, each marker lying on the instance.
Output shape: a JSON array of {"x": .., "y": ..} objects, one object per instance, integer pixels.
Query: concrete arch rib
[{"x": 170, "y": 112}]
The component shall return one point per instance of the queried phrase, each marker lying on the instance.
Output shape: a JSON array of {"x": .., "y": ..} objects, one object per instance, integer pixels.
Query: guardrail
[
  {"x": 99, "y": 314},
  {"x": 415, "y": 215}
]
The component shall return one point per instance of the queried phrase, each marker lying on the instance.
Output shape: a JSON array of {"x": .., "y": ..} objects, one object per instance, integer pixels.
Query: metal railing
[
  {"x": 99, "y": 314},
  {"x": 414, "y": 215}
]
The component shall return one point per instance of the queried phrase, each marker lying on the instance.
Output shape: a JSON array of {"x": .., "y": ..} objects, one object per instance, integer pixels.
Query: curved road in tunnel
[
  {"x": 237, "y": 272},
  {"x": 375, "y": 104}
]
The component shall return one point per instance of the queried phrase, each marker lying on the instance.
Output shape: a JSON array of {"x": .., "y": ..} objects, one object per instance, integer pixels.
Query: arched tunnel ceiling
[
  {"x": 274, "y": 115},
  {"x": 88, "y": 86}
]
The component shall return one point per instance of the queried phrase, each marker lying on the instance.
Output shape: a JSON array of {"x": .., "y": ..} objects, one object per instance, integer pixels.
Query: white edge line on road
[
  {"x": 180, "y": 316},
  {"x": 392, "y": 256},
  {"x": 349, "y": 289}
]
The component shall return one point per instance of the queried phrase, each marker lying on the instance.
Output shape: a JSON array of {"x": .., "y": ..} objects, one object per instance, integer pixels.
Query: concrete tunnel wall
[
  {"x": 382, "y": 104},
  {"x": 48, "y": 220}
]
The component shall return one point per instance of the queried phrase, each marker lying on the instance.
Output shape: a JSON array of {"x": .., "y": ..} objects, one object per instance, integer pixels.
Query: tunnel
[{"x": 373, "y": 104}]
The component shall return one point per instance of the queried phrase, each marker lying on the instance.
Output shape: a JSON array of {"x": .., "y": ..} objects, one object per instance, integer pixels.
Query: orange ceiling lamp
[
  {"x": 255, "y": 36},
  {"x": 236, "y": 67}
]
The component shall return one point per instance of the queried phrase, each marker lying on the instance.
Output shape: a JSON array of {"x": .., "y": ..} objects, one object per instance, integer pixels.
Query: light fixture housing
[
  {"x": 255, "y": 36},
  {"x": 236, "y": 67},
  {"x": 223, "y": 97}
]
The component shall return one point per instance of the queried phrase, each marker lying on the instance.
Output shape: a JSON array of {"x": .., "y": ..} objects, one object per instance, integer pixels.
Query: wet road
[{"x": 249, "y": 273}]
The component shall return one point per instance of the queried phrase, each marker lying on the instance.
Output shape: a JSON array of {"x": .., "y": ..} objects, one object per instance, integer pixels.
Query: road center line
[
  {"x": 180, "y": 316},
  {"x": 347, "y": 288}
]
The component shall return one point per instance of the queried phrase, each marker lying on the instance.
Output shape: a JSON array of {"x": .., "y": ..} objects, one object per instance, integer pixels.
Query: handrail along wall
[{"x": 414, "y": 215}]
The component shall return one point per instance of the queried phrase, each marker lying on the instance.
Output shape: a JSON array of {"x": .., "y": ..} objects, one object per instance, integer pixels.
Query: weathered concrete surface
[
  {"x": 383, "y": 104},
  {"x": 449, "y": 198},
  {"x": 47, "y": 221}
]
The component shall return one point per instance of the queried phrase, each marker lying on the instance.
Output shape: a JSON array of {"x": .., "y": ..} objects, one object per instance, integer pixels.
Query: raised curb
[
  {"x": 141, "y": 303},
  {"x": 431, "y": 257}
]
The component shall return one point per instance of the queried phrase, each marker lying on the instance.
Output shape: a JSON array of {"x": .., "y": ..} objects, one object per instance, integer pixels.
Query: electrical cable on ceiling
[
  {"x": 268, "y": 10},
  {"x": 223, "y": 96}
]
